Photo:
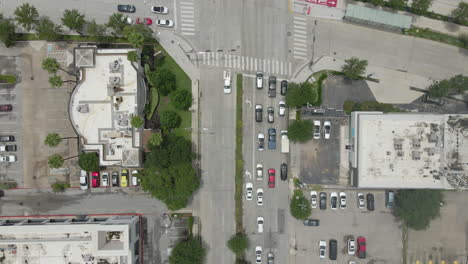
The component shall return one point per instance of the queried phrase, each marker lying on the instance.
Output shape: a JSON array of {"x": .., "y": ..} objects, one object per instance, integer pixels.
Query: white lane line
[
  {"x": 187, "y": 20},
  {"x": 299, "y": 48},
  {"x": 264, "y": 65},
  {"x": 188, "y": 33},
  {"x": 186, "y": 12},
  {"x": 217, "y": 59},
  {"x": 299, "y": 36},
  {"x": 255, "y": 64},
  {"x": 204, "y": 58},
  {"x": 242, "y": 63},
  {"x": 300, "y": 27},
  {"x": 290, "y": 68},
  {"x": 299, "y": 44},
  {"x": 298, "y": 22},
  {"x": 277, "y": 66},
  {"x": 229, "y": 60},
  {"x": 282, "y": 72},
  {"x": 300, "y": 18},
  {"x": 298, "y": 31},
  {"x": 268, "y": 66},
  {"x": 239, "y": 65},
  {"x": 187, "y": 25},
  {"x": 186, "y": 3}
]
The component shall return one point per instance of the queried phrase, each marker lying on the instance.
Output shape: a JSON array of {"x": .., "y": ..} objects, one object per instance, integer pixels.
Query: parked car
[
  {"x": 258, "y": 113},
  {"x": 271, "y": 138},
  {"x": 361, "y": 247},
  {"x": 313, "y": 199},
  {"x": 7, "y": 138},
  {"x": 105, "y": 179},
  {"x": 159, "y": 9},
  {"x": 259, "y": 80},
  {"x": 361, "y": 201},
  {"x": 316, "y": 129},
  {"x": 311, "y": 222},
  {"x": 271, "y": 178},
  {"x": 333, "y": 244},
  {"x": 6, "y": 107},
  {"x": 259, "y": 171},
  {"x": 282, "y": 108},
  {"x": 7, "y": 148},
  {"x": 145, "y": 21},
  {"x": 249, "y": 191},
  {"x": 370, "y": 201},
  {"x": 124, "y": 178},
  {"x": 272, "y": 86},
  {"x": 126, "y": 8},
  {"x": 115, "y": 178},
  {"x": 258, "y": 254},
  {"x": 84, "y": 180},
  {"x": 351, "y": 246},
  {"x": 9, "y": 158},
  {"x": 270, "y": 258},
  {"x": 95, "y": 179},
  {"x": 333, "y": 200},
  {"x": 284, "y": 87},
  {"x": 135, "y": 179},
  {"x": 284, "y": 171},
  {"x": 261, "y": 141},
  {"x": 322, "y": 249},
  {"x": 389, "y": 199},
  {"x": 259, "y": 196},
  {"x": 260, "y": 224},
  {"x": 323, "y": 201},
  {"x": 326, "y": 129},
  {"x": 342, "y": 200},
  {"x": 271, "y": 114},
  {"x": 165, "y": 22}
]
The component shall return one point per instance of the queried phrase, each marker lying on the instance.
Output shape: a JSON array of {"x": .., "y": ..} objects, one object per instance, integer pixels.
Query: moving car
[
  {"x": 270, "y": 258},
  {"x": 313, "y": 199},
  {"x": 259, "y": 196},
  {"x": 311, "y": 222},
  {"x": 258, "y": 254},
  {"x": 351, "y": 246},
  {"x": 7, "y": 138},
  {"x": 159, "y": 10},
  {"x": 322, "y": 249},
  {"x": 6, "y": 107},
  {"x": 145, "y": 21},
  {"x": 84, "y": 180},
  {"x": 105, "y": 179},
  {"x": 260, "y": 224},
  {"x": 259, "y": 171},
  {"x": 284, "y": 171},
  {"x": 249, "y": 191},
  {"x": 261, "y": 141},
  {"x": 323, "y": 201},
  {"x": 342, "y": 200},
  {"x": 271, "y": 178},
  {"x": 389, "y": 199},
  {"x": 361, "y": 247},
  {"x": 135, "y": 179},
  {"x": 316, "y": 129},
  {"x": 271, "y": 138},
  {"x": 282, "y": 108},
  {"x": 95, "y": 179},
  {"x": 115, "y": 178},
  {"x": 361, "y": 201},
  {"x": 258, "y": 113},
  {"x": 333, "y": 200},
  {"x": 165, "y": 22},
  {"x": 124, "y": 178},
  {"x": 271, "y": 114},
  {"x": 126, "y": 8},
  {"x": 7, "y": 148},
  {"x": 272, "y": 86},
  {"x": 370, "y": 201},
  {"x": 326, "y": 129},
  {"x": 333, "y": 244},
  {"x": 284, "y": 87},
  {"x": 259, "y": 80}
]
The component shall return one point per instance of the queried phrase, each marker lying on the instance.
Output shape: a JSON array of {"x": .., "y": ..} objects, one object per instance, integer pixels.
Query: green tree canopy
[
  {"x": 155, "y": 140},
  {"x": 238, "y": 243},
  {"x": 55, "y": 81},
  {"x": 440, "y": 89},
  {"x": 7, "y": 33},
  {"x": 171, "y": 151},
  {"x": 59, "y": 187},
  {"x": 89, "y": 161},
  {"x": 461, "y": 13},
  {"x": 354, "y": 68},
  {"x": 73, "y": 20},
  {"x": 169, "y": 119},
  {"x": 187, "y": 252},
  {"x": 48, "y": 31},
  {"x": 300, "y": 94},
  {"x": 420, "y": 7},
  {"x": 137, "y": 34},
  {"x": 181, "y": 99},
  {"x": 300, "y": 130},
  {"x": 50, "y": 65},
  {"x": 55, "y": 161},
  {"x": 164, "y": 80},
  {"x": 117, "y": 22},
  {"x": 52, "y": 139},
  {"x": 26, "y": 15},
  {"x": 97, "y": 30},
  {"x": 300, "y": 206},
  {"x": 132, "y": 56},
  {"x": 418, "y": 207},
  {"x": 377, "y": 2},
  {"x": 397, "y": 4},
  {"x": 137, "y": 121}
]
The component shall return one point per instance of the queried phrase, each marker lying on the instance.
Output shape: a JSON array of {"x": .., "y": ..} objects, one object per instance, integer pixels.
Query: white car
[
  {"x": 83, "y": 180},
  {"x": 128, "y": 20},
  {"x": 249, "y": 191},
  {"x": 258, "y": 254},
  {"x": 282, "y": 108},
  {"x": 135, "y": 179},
  {"x": 9, "y": 158},
  {"x": 361, "y": 201},
  {"x": 259, "y": 171},
  {"x": 105, "y": 179},
  {"x": 261, "y": 141},
  {"x": 316, "y": 129},
  {"x": 322, "y": 249},
  {"x": 159, "y": 10},
  {"x": 333, "y": 200},
  {"x": 351, "y": 246},
  {"x": 313, "y": 199},
  {"x": 259, "y": 80},
  {"x": 259, "y": 196},
  {"x": 260, "y": 224},
  {"x": 326, "y": 129},
  {"x": 342, "y": 200},
  {"x": 165, "y": 22}
]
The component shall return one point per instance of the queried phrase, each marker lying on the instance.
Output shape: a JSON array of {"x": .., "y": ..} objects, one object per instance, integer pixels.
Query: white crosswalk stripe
[
  {"x": 300, "y": 38},
  {"x": 187, "y": 17}
]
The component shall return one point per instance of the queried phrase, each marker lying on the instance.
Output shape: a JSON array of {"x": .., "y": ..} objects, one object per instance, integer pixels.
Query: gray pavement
[{"x": 337, "y": 89}]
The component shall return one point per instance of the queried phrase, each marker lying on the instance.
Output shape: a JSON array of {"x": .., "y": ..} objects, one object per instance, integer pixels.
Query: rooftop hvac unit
[
  {"x": 115, "y": 80},
  {"x": 114, "y": 66}
]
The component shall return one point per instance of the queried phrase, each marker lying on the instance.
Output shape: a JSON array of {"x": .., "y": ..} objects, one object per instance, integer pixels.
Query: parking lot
[{"x": 340, "y": 224}]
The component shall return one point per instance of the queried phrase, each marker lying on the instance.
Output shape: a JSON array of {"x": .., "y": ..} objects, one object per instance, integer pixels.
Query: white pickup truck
[
  {"x": 227, "y": 82},
  {"x": 284, "y": 141},
  {"x": 9, "y": 158}
]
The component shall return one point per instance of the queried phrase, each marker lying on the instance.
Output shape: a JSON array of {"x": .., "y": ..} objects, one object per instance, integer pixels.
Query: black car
[
  {"x": 370, "y": 201},
  {"x": 284, "y": 171},
  {"x": 126, "y": 8},
  {"x": 333, "y": 244},
  {"x": 258, "y": 113},
  {"x": 8, "y": 148},
  {"x": 272, "y": 86},
  {"x": 311, "y": 222},
  {"x": 115, "y": 178},
  {"x": 323, "y": 201},
  {"x": 7, "y": 138},
  {"x": 284, "y": 87},
  {"x": 334, "y": 202}
]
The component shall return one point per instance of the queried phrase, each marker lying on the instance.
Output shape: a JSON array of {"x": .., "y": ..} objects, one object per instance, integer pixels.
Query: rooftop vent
[
  {"x": 416, "y": 142},
  {"x": 416, "y": 155},
  {"x": 400, "y": 153},
  {"x": 114, "y": 66},
  {"x": 114, "y": 80},
  {"x": 83, "y": 108}
]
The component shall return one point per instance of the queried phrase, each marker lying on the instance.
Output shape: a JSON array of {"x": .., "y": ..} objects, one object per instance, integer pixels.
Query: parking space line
[
  {"x": 188, "y": 33},
  {"x": 264, "y": 65},
  {"x": 282, "y": 73}
]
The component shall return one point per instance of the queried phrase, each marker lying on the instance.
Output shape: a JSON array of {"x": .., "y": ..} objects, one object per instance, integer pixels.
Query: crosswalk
[
  {"x": 244, "y": 63},
  {"x": 300, "y": 38},
  {"x": 187, "y": 17}
]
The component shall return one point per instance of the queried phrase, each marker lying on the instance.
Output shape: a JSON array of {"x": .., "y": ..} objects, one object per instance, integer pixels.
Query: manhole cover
[{"x": 288, "y": 34}]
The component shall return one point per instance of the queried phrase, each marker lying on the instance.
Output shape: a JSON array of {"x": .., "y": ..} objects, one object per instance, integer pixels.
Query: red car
[
  {"x": 146, "y": 21},
  {"x": 361, "y": 247},
  {"x": 271, "y": 178},
  {"x": 5, "y": 108},
  {"x": 95, "y": 179}
]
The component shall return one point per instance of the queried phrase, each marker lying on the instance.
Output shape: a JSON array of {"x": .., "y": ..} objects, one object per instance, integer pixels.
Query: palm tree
[
  {"x": 51, "y": 65},
  {"x": 354, "y": 68},
  {"x": 47, "y": 30},
  {"x": 53, "y": 139},
  {"x": 56, "y": 81},
  {"x": 26, "y": 15},
  {"x": 117, "y": 22},
  {"x": 132, "y": 56},
  {"x": 55, "y": 161},
  {"x": 73, "y": 20}
]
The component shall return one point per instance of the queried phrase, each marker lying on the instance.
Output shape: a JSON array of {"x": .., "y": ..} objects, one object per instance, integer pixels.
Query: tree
[
  {"x": 137, "y": 121},
  {"x": 377, "y": 2},
  {"x": 459, "y": 83},
  {"x": 55, "y": 81},
  {"x": 420, "y": 7},
  {"x": 132, "y": 56},
  {"x": 354, "y": 68},
  {"x": 52, "y": 139},
  {"x": 55, "y": 161},
  {"x": 463, "y": 39},
  {"x": 397, "y": 4},
  {"x": 440, "y": 89},
  {"x": 97, "y": 30},
  {"x": 7, "y": 33},
  {"x": 117, "y": 22},
  {"x": 26, "y": 15},
  {"x": 238, "y": 243},
  {"x": 181, "y": 99},
  {"x": 300, "y": 130},
  {"x": 89, "y": 161},
  {"x": 171, "y": 151},
  {"x": 300, "y": 207},
  {"x": 59, "y": 187},
  {"x": 164, "y": 80},
  {"x": 155, "y": 140},
  {"x": 50, "y": 65},
  {"x": 300, "y": 94},
  {"x": 461, "y": 13},
  {"x": 169, "y": 119},
  {"x": 173, "y": 186},
  {"x": 48, "y": 31},
  {"x": 137, "y": 34},
  {"x": 187, "y": 252},
  {"x": 73, "y": 20},
  {"x": 418, "y": 207}
]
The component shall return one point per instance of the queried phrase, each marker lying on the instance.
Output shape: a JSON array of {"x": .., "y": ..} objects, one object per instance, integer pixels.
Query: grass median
[
  {"x": 436, "y": 36},
  {"x": 239, "y": 157}
]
